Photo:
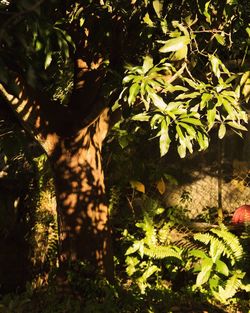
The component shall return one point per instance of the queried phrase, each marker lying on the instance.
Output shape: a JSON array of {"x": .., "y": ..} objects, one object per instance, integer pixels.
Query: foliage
[
  {"x": 44, "y": 233},
  {"x": 27, "y": 203},
  {"x": 176, "y": 70},
  {"x": 185, "y": 63},
  {"x": 218, "y": 267}
]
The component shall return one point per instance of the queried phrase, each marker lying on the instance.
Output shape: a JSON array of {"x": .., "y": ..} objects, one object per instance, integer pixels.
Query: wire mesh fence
[{"x": 216, "y": 179}]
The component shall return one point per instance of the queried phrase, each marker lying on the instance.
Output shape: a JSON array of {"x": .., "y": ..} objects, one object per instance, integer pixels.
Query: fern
[
  {"x": 114, "y": 199},
  {"x": 217, "y": 246},
  {"x": 231, "y": 241},
  {"x": 232, "y": 286},
  {"x": 162, "y": 252}
]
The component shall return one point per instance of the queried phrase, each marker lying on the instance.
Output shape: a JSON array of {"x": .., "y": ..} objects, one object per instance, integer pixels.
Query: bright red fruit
[{"x": 242, "y": 214}]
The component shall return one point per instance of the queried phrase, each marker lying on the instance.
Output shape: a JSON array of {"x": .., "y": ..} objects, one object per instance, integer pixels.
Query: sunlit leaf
[
  {"x": 161, "y": 186},
  {"x": 158, "y": 5},
  {"x": 48, "y": 60},
  {"x": 158, "y": 101},
  {"x": 133, "y": 249},
  {"x": 222, "y": 268},
  {"x": 215, "y": 65},
  {"x": 148, "y": 20},
  {"x": 180, "y": 54},
  {"x": 237, "y": 126},
  {"x": 175, "y": 44},
  {"x": 133, "y": 92},
  {"x": 142, "y": 117},
  {"x": 211, "y": 114},
  {"x": 191, "y": 95},
  {"x": 204, "y": 275},
  {"x": 128, "y": 78},
  {"x": 222, "y": 131},
  {"x": 190, "y": 130},
  {"x": 191, "y": 120},
  {"x": 202, "y": 140},
  {"x": 147, "y": 64},
  {"x": 205, "y": 98},
  {"x": 137, "y": 186},
  {"x": 220, "y": 38},
  {"x": 181, "y": 151},
  {"x": 164, "y": 138}
]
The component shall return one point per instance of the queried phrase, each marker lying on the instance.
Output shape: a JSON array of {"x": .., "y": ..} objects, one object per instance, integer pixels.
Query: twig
[
  {"x": 177, "y": 74},
  {"x": 213, "y": 31}
]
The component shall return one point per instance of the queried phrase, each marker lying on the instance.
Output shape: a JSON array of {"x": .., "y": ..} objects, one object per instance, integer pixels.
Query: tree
[{"x": 68, "y": 68}]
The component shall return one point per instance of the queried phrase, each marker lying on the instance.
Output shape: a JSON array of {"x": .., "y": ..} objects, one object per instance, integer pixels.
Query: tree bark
[{"x": 83, "y": 210}]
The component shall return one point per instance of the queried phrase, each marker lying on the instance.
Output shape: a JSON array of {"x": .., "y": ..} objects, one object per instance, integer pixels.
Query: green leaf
[
  {"x": 158, "y": 5},
  {"x": 237, "y": 126},
  {"x": 147, "y": 64},
  {"x": 179, "y": 132},
  {"x": 173, "y": 88},
  {"x": 228, "y": 107},
  {"x": 211, "y": 114},
  {"x": 182, "y": 151},
  {"x": 133, "y": 92},
  {"x": 128, "y": 78},
  {"x": 215, "y": 65},
  {"x": 148, "y": 20},
  {"x": 182, "y": 28},
  {"x": 191, "y": 120},
  {"x": 142, "y": 117},
  {"x": 191, "y": 83},
  {"x": 123, "y": 141},
  {"x": 48, "y": 60},
  {"x": 149, "y": 272},
  {"x": 157, "y": 118},
  {"x": 175, "y": 44},
  {"x": 202, "y": 141},
  {"x": 191, "y": 95},
  {"x": 188, "y": 143},
  {"x": 180, "y": 54},
  {"x": 115, "y": 106},
  {"x": 134, "y": 248},
  {"x": 222, "y": 131},
  {"x": 205, "y": 12},
  {"x": 244, "y": 78},
  {"x": 220, "y": 38},
  {"x": 190, "y": 130},
  {"x": 204, "y": 275},
  {"x": 158, "y": 101},
  {"x": 198, "y": 253},
  {"x": 164, "y": 138},
  {"x": 222, "y": 268}
]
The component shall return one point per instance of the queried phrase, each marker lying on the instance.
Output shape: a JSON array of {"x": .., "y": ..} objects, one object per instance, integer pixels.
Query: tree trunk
[
  {"x": 72, "y": 137},
  {"x": 82, "y": 206}
]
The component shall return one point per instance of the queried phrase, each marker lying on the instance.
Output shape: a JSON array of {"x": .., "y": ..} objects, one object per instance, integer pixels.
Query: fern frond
[
  {"x": 231, "y": 241},
  {"x": 162, "y": 252},
  {"x": 217, "y": 246},
  {"x": 203, "y": 238},
  {"x": 233, "y": 284}
]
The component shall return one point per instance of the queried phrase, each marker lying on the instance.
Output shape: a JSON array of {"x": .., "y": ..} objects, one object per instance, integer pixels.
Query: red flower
[{"x": 242, "y": 215}]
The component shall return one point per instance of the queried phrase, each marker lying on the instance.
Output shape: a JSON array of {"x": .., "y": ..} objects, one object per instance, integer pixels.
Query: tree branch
[{"x": 28, "y": 112}]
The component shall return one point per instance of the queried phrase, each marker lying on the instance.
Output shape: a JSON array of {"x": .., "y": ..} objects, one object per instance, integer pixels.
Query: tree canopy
[{"x": 181, "y": 66}]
